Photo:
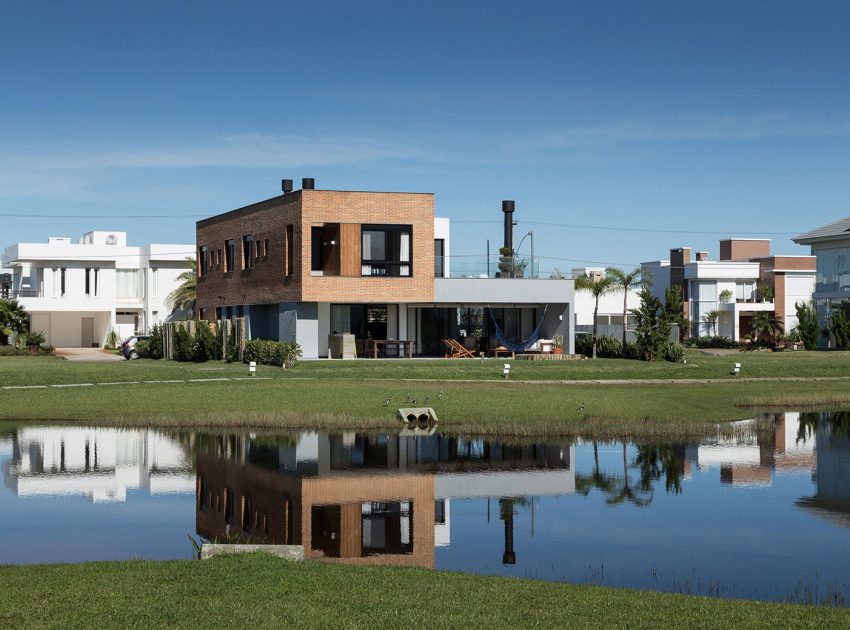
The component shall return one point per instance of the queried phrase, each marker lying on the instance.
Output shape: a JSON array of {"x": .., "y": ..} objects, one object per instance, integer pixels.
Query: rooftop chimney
[
  {"x": 286, "y": 185},
  {"x": 308, "y": 183},
  {"x": 702, "y": 256},
  {"x": 508, "y": 209}
]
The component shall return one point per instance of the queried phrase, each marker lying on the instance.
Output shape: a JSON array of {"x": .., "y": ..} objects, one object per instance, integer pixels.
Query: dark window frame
[
  {"x": 229, "y": 254},
  {"x": 386, "y": 264}
]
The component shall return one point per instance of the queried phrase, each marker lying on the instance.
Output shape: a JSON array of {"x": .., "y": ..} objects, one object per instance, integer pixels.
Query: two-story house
[
  {"x": 721, "y": 297},
  {"x": 76, "y": 292},
  {"x": 377, "y": 265}
]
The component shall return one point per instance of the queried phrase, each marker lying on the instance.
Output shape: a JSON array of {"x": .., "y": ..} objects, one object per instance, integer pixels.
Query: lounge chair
[{"x": 457, "y": 350}]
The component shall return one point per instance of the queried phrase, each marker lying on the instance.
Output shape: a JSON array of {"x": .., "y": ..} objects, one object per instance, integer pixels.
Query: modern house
[
  {"x": 77, "y": 292},
  {"x": 377, "y": 265},
  {"x": 830, "y": 245},
  {"x": 733, "y": 287}
]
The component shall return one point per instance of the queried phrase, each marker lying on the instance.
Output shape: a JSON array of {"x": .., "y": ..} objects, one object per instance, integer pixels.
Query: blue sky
[{"x": 714, "y": 118}]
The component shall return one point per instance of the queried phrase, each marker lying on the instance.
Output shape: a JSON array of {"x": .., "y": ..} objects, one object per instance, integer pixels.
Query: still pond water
[{"x": 762, "y": 513}]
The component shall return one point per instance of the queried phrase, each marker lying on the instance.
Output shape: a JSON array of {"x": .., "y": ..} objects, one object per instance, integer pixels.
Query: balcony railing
[
  {"x": 460, "y": 266},
  {"x": 10, "y": 294}
]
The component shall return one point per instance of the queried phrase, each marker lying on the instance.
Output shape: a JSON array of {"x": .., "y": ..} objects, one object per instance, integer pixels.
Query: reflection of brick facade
[
  {"x": 281, "y": 507},
  {"x": 269, "y": 281}
]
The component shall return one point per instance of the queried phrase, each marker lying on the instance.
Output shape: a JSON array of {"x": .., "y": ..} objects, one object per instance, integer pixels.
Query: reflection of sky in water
[{"x": 735, "y": 529}]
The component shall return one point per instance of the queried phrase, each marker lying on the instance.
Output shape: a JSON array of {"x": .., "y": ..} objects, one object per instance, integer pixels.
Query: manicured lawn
[
  {"x": 37, "y": 370},
  {"x": 309, "y": 397},
  {"x": 263, "y": 592}
]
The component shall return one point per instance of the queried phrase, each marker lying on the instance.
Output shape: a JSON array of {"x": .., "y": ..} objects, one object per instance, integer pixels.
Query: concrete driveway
[{"x": 88, "y": 354}]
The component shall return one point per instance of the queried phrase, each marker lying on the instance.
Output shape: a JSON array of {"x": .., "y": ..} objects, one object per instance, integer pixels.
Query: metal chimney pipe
[
  {"x": 308, "y": 183},
  {"x": 508, "y": 209},
  {"x": 286, "y": 186}
]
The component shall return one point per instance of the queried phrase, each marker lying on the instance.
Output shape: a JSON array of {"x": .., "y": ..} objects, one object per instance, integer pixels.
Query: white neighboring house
[
  {"x": 610, "y": 304},
  {"x": 77, "y": 292}
]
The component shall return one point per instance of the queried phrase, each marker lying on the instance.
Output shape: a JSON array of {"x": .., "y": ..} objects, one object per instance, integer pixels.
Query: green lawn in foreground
[
  {"x": 38, "y": 370},
  {"x": 264, "y": 592}
]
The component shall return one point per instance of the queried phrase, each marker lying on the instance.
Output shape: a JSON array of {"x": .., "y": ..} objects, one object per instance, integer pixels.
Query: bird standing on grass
[
  {"x": 388, "y": 401},
  {"x": 440, "y": 395},
  {"x": 580, "y": 408}
]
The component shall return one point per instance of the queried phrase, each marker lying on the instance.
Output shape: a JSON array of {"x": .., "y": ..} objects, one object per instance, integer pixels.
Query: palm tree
[
  {"x": 597, "y": 287},
  {"x": 13, "y": 319},
  {"x": 183, "y": 297},
  {"x": 625, "y": 282},
  {"x": 765, "y": 324}
]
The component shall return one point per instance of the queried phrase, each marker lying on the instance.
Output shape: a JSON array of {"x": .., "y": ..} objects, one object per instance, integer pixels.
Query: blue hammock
[{"x": 522, "y": 346}]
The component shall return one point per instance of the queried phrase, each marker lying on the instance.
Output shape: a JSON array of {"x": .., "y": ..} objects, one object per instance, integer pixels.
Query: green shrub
[
  {"x": 712, "y": 342},
  {"x": 34, "y": 338},
  {"x": 154, "y": 343},
  {"x": 231, "y": 354},
  {"x": 112, "y": 340},
  {"x": 674, "y": 352},
  {"x": 840, "y": 328},
  {"x": 266, "y": 352},
  {"x": 606, "y": 346},
  {"x": 143, "y": 348},
  {"x": 184, "y": 347},
  {"x": 204, "y": 343}
]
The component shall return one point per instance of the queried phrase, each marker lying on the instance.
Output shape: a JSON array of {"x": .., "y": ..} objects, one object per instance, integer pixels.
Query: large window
[
  {"x": 833, "y": 270},
  {"x": 386, "y": 250},
  {"x": 127, "y": 283},
  {"x": 703, "y": 301},
  {"x": 247, "y": 251},
  {"x": 229, "y": 248}
]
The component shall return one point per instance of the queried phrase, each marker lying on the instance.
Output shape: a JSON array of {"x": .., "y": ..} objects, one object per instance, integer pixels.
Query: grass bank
[
  {"x": 263, "y": 592},
  {"x": 311, "y": 397}
]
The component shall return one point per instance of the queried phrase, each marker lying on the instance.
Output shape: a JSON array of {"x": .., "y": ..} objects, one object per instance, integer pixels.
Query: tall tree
[
  {"x": 597, "y": 287},
  {"x": 183, "y": 297},
  {"x": 674, "y": 309},
  {"x": 625, "y": 281},
  {"x": 652, "y": 329},
  {"x": 807, "y": 324}
]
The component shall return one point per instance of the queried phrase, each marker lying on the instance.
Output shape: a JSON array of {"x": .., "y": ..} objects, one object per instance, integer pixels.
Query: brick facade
[{"x": 267, "y": 281}]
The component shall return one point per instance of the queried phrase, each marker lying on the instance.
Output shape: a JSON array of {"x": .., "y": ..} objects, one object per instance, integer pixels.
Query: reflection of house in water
[
  {"x": 362, "y": 499},
  {"x": 101, "y": 464},
  {"x": 832, "y": 499},
  {"x": 755, "y": 453}
]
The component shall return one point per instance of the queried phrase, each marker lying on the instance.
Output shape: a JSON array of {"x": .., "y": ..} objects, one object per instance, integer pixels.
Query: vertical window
[
  {"x": 155, "y": 281},
  {"x": 200, "y": 313},
  {"x": 127, "y": 283},
  {"x": 96, "y": 277},
  {"x": 290, "y": 250},
  {"x": 88, "y": 280},
  {"x": 247, "y": 250},
  {"x": 218, "y": 259},
  {"x": 260, "y": 251},
  {"x": 229, "y": 248},
  {"x": 62, "y": 281},
  {"x": 266, "y": 247},
  {"x": 439, "y": 258},
  {"x": 202, "y": 261}
]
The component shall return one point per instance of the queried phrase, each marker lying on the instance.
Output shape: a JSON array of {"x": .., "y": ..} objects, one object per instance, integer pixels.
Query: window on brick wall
[
  {"x": 290, "y": 250},
  {"x": 386, "y": 250},
  {"x": 203, "y": 252},
  {"x": 266, "y": 247},
  {"x": 247, "y": 250},
  {"x": 229, "y": 248}
]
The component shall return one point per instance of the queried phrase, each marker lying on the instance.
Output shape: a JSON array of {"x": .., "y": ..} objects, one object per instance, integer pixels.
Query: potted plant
[
  {"x": 558, "y": 344},
  {"x": 35, "y": 339},
  {"x": 767, "y": 294},
  {"x": 725, "y": 296}
]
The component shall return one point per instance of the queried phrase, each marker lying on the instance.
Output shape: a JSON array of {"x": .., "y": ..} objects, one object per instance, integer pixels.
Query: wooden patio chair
[{"x": 457, "y": 350}]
